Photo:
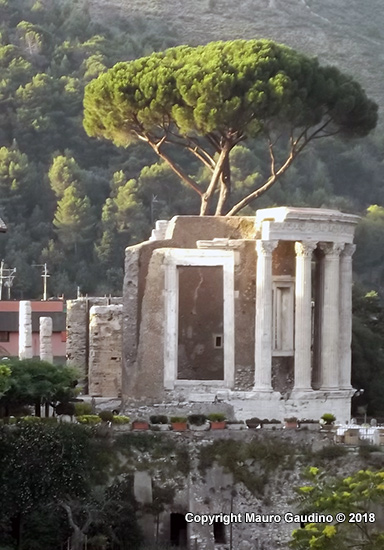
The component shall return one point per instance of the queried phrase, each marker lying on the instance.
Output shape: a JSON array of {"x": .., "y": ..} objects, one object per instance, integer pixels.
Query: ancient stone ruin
[
  {"x": 94, "y": 344},
  {"x": 251, "y": 311}
]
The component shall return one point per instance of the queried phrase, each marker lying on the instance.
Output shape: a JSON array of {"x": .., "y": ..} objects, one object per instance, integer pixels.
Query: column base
[{"x": 262, "y": 390}]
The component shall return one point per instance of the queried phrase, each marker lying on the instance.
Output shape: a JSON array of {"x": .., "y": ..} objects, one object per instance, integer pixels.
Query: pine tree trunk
[{"x": 225, "y": 188}]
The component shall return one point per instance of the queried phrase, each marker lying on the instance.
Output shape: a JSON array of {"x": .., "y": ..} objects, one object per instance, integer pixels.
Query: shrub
[
  {"x": 9, "y": 420},
  {"x": 159, "y": 419},
  {"x": 106, "y": 416},
  {"x": 328, "y": 418},
  {"x": 290, "y": 419},
  {"x": 177, "y": 419},
  {"x": 332, "y": 452},
  {"x": 30, "y": 419},
  {"x": 253, "y": 422},
  {"x": 197, "y": 419},
  {"x": 90, "y": 419},
  {"x": 82, "y": 409},
  {"x": 366, "y": 449},
  {"x": 216, "y": 417},
  {"x": 50, "y": 420},
  {"x": 121, "y": 419}
]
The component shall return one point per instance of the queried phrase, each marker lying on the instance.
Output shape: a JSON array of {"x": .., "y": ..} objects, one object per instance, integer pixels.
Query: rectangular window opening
[{"x": 218, "y": 341}]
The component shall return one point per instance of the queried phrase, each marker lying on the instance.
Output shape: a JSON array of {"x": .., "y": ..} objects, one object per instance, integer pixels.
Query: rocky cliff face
[{"x": 347, "y": 33}]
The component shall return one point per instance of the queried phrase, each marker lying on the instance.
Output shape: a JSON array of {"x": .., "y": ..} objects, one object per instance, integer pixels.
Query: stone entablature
[
  {"x": 305, "y": 224},
  {"x": 252, "y": 311}
]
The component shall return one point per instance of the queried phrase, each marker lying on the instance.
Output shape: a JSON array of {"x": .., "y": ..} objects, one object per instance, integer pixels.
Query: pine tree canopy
[{"x": 207, "y": 99}]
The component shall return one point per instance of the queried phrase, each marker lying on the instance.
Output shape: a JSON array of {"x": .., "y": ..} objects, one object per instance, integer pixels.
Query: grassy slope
[{"x": 348, "y": 33}]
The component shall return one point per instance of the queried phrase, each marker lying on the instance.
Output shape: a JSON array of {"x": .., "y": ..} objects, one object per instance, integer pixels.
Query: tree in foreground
[
  {"x": 205, "y": 100},
  {"x": 35, "y": 382},
  {"x": 359, "y": 497}
]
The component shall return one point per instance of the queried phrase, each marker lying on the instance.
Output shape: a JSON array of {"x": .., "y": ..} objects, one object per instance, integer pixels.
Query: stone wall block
[{"x": 105, "y": 350}]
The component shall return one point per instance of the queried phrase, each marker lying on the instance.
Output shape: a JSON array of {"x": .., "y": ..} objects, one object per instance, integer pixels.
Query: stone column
[
  {"x": 45, "y": 334},
  {"x": 263, "y": 329},
  {"x": 345, "y": 316},
  {"x": 303, "y": 314},
  {"x": 25, "y": 330},
  {"x": 329, "y": 361}
]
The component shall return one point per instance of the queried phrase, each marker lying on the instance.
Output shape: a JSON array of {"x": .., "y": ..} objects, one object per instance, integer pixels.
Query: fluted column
[
  {"x": 263, "y": 329},
  {"x": 345, "y": 316},
  {"x": 330, "y": 336},
  {"x": 303, "y": 314}
]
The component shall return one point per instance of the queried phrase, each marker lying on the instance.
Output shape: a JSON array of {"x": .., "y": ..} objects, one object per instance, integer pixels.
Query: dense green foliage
[
  {"x": 251, "y": 462},
  {"x": 208, "y": 99},
  {"x": 358, "y": 496},
  {"x": 35, "y": 382},
  {"x": 5, "y": 373},
  {"x": 66, "y": 482},
  {"x": 67, "y": 200},
  {"x": 52, "y": 482}
]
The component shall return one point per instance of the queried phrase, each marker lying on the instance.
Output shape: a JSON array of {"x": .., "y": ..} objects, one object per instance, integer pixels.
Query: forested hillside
[
  {"x": 75, "y": 202},
  {"x": 347, "y": 33},
  {"x": 67, "y": 200}
]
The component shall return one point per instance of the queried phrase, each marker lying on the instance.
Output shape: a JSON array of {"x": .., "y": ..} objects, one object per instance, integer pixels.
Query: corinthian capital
[
  {"x": 349, "y": 250},
  {"x": 331, "y": 250},
  {"x": 304, "y": 249},
  {"x": 265, "y": 248}
]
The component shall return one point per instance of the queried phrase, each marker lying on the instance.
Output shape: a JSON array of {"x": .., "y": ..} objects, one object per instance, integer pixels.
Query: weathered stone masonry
[
  {"x": 265, "y": 324},
  {"x": 94, "y": 344}
]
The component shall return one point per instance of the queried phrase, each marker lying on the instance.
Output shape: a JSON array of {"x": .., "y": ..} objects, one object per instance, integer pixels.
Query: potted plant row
[
  {"x": 159, "y": 422},
  {"x": 327, "y": 421},
  {"x": 198, "y": 422},
  {"x": 179, "y": 423},
  {"x": 217, "y": 421},
  {"x": 291, "y": 422},
  {"x": 140, "y": 424}
]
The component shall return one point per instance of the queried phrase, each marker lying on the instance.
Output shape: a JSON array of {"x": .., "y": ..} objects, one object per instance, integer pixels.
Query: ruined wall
[
  {"x": 78, "y": 332},
  {"x": 144, "y": 372},
  {"x": 271, "y": 469},
  {"x": 245, "y": 295},
  {"x": 77, "y": 335},
  {"x": 105, "y": 350},
  {"x": 143, "y": 300}
]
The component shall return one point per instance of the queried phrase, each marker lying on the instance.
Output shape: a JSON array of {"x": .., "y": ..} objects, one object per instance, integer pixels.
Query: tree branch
[
  {"x": 296, "y": 148},
  {"x": 175, "y": 167},
  {"x": 258, "y": 192},
  {"x": 272, "y": 157}
]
